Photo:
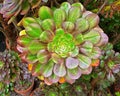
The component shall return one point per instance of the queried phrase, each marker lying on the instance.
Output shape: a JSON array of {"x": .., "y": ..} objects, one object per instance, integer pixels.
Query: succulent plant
[
  {"x": 9, "y": 70},
  {"x": 25, "y": 79},
  {"x": 62, "y": 43},
  {"x": 11, "y": 8},
  {"x": 5, "y": 89},
  {"x": 110, "y": 60}
]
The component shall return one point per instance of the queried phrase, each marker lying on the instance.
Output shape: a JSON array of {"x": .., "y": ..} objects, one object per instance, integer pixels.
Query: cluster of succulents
[
  {"x": 62, "y": 44},
  {"x": 9, "y": 70},
  {"x": 5, "y": 89},
  {"x": 11, "y": 8},
  {"x": 110, "y": 60},
  {"x": 25, "y": 78}
]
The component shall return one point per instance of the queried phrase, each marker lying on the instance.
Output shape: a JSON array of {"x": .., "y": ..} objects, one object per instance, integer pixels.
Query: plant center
[{"x": 62, "y": 43}]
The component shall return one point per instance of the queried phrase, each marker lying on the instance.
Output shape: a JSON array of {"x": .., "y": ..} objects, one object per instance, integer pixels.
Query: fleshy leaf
[
  {"x": 48, "y": 24},
  {"x": 82, "y": 25},
  {"x": 33, "y": 30},
  {"x": 92, "y": 36},
  {"x": 56, "y": 58},
  {"x": 46, "y": 36},
  {"x": 95, "y": 54},
  {"x": 74, "y": 13},
  {"x": 71, "y": 62},
  {"x": 93, "y": 20},
  {"x": 86, "y": 71},
  {"x": 79, "y": 38},
  {"x": 48, "y": 82},
  {"x": 65, "y": 6},
  {"x": 59, "y": 17},
  {"x": 45, "y": 13},
  {"x": 53, "y": 78},
  {"x": 69, "y": 80},
  {"x": 35, "y": 46},
  {"x": 78, "y": 5},
  {"x": 68, "y": 26},
  {"x": 86, "y": 47},
  {"x": 24, "y": 40},
  {"x": 84, "y": 61},
  {"x": 74, "y": 73},
  {"x": 59, "y": 70},
  {"x": 31, "y": 58},
  {"x": 21, "y": 49},
  {"x": 86, "y": 13},
  {"x": 74, "y": 52},
  {"x": 43, "y": 56},
  {"x": 36, "y": 69},
  {"x": 25, "y": 7},
  {"x": 104, "y": 39},
  {"x": 47, "y": 68},
  {"x": 28, "y": 20},
  {"x": 110, "y": 77}
]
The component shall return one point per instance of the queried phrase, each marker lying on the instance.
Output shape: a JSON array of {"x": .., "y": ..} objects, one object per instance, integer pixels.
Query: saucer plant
[{"x": 62, "y": 44}]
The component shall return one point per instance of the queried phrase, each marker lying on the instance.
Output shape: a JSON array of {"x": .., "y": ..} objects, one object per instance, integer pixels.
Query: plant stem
[{"x": 105, "y": 2}]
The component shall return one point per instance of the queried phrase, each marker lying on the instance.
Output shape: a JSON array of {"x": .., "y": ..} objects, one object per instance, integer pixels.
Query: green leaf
[
  {"x": 53, "y": 78},
  {"x": 95, "y": 54},
  {"x": 46, "y": 36},
  {"x": 87, "y": 47},
  {"x": 74, "y": 73},
  {"x": 93, "y": 20},
  {"x": 73, "y": 14},
  {"x": 45, "y": 13},
  {"x": 24, "y": 40},
  {"x": 33, "y": 30},
  {"x": 31, "y": 58},
  {"x": 82, "y": 25},
  {"x": 79, "y": 38},
  {"x": 56, "y": 58},
  {"x": 74, "y": 52},
  {"x": 43, "y": 56},
  {"x": 25, "y": 7},
  {"x": 59, "y": 17},
  {"x": 84, "y": 61},
  {"x": 47, "y": 68},
  {"x": 48, "y": 24},
  {"x": 68, "y": 26},
  {"x": 36, "y": 69},
  {"x": 78, "y": 5},
  {"x": 65, "y": 6},
  {"x": 93, "y": 36},
  {"x": 28, "y": 20},
  {"x": 35, "y": 46}
]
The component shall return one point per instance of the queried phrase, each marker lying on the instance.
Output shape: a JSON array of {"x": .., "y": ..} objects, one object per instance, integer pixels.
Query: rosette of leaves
[
  {"x": 9, "y": 70},
  {"x": 110, "y": 60},
  {"x": 11, "y": 8},
  {"x": 25, "y": 78},
  {"x": 62, "y": 44}
]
